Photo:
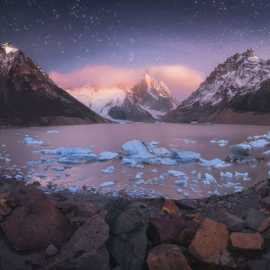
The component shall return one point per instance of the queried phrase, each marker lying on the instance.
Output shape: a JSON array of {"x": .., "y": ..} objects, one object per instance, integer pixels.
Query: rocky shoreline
[{"x": 91, "y": 231}]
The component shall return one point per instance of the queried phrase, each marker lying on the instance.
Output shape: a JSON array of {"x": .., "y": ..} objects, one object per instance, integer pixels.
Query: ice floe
[
  {"x": 105, "y": 156},
  {"x": 221, "y": 143},
  {"x": 108, "y": 170},
  {"x": 187, "y": 156},
  {"x": 107, "y": 184},
  {"x": 32, "y": 141},
  {"x": 216, "y": 163}
]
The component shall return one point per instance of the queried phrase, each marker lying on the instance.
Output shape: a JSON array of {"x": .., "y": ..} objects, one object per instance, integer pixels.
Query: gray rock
[
  {"x": 234, "y": 223},
  {"x": 86, "y": 248},
  {"x": 254, "y": 219},
  {"x": 128, "y": 243},
  {"x": 51, "y": 250}
]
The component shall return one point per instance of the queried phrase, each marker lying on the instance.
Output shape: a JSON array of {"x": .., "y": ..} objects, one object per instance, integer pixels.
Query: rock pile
[{"x": 88, "y": 231}]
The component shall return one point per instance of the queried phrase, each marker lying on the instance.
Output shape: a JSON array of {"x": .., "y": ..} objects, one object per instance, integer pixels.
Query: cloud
[{"x": 180, "y": 79}]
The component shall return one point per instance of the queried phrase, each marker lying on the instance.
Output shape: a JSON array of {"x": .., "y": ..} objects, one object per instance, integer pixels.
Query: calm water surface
[{"x": 110, "y": 137}]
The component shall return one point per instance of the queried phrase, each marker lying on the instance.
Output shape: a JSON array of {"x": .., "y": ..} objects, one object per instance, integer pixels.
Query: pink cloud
[{"x": 180, "y": 79}]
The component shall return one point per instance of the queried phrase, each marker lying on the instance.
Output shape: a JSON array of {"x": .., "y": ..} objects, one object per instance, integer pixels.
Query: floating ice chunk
[
  {"x": 226, "y": 174},
  {"x": 107, "y": 184},
  {"x": 243, "y": 175},
  {"x": 208, "y": 179},
  {"x": 216, "y": 163},
  {"x": 183, "y": 181},
  {"x": 71, "y": 155},
  {"x": 159, "y": 151},
  {"x": 154, "y": 170},
  {"x": 189, "y": 141},
  {"x": 108, "y": 170},
  {"x": 176, "y": 173},
  {"x": 52, "y": 131},
  {"x": 131, "y": 162},
  {"x": 240, "y": 151},
  {"x": 139, "y": 175},
  {"x": 164, "y": 161},
  {"x": 32, "y": 141},
  {"x": 187, "y": 156},
  {"x": 260, "y": 143},
  {"x": 238, "y": 188},
  {"x": 58, "y": 169},
  {"x": 137, "y": 149},
  {"x": 267, "y": 153},
  {"x": 221, "y": 143},
  {"x": 73, "y": 189},
  {"x": 105, "y": 156}
]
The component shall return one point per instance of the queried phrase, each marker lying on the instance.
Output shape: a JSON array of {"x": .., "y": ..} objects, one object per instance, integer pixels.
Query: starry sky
[{"x": 170, "y": 38}]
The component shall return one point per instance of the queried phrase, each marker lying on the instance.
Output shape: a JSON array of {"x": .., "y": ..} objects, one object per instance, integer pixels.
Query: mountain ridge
[
  {"x": 146, "y": 101},
  {"x": 28, "y": 96},
  {"x": 239, "y": 85}
]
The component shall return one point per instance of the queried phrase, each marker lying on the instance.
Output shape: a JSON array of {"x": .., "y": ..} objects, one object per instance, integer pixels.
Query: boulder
[
  {"x": 254, "y": 219},
  {"x": 171, "y": 229},
  {"x": 234, "y": 223},
  {"x": 128, "y": 241},
  {"x": 35, "y": 223},
  {"x": 266, "y": 202},
  {"x": 247, "y": 241},
  {"x": 167, "y": 257},
  {"x": 86, "y": 247},
  {"x": 210, "y": 244}
]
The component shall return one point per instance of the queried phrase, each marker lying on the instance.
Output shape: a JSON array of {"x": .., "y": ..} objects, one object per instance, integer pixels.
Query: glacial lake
[{"x": 175, "y": 160}]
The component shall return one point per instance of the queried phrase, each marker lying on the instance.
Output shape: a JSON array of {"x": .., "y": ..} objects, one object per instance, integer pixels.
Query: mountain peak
[{"x": 9, "y": 48}]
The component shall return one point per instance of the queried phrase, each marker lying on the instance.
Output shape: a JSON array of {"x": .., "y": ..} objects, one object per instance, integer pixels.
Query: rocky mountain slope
[
  {"x": 28, "y": 96},
  {"x": 146, "y": 101},
  {"x": 236, "y": 91}
]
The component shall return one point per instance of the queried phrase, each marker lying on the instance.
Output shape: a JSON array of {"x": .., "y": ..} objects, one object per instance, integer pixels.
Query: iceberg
[
  {"x": 105, "y": 156},
  {"x": 108, "y": 170},
  {"x": 32, "y": 141},
  {"x": 216, "y": 163},
  {"x": 187, "y": 156}
]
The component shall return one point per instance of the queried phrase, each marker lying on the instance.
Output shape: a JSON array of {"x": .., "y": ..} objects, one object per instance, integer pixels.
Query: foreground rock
[
  {"x": 35, "y": 223},
  {"x": 128, "y": 244},
  {"x": 167, "y": 257},
  {"x": 210, "y": 244},
  {"x": 247, "y": 241},
  {"x": 91, "y": 231}
]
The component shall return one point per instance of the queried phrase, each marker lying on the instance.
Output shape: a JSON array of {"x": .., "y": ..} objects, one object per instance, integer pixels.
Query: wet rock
[
  {"x": 167, "y": 257},
  {"x": 247, "y": 241},
  {"x": 234, "y": 223},
  {"x": 128, "y": 243},
  {"x": 266, "y": 202},
  {"x": 210, "y": 244},
  {"x": 35, "y": 223},
  {"x": 254, "y": 219},
  {"x": 187, "y": 204},
  {"x": 259, "y": 265},
  {"x": 86, "y": 247},
  {"x": 51, "y": 250},
  {"x": 265, "y": 225},
  {"x": 171, "y": 229}
]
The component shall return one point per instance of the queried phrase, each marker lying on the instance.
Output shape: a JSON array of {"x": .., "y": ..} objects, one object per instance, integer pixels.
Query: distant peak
[
  {"x": 9, "y": 48},
  {"x": 147, "y": 78},
  {"x": 249, "y": 53}
]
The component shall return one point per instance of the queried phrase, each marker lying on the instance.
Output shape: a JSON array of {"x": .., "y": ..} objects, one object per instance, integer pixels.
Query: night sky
[{"x": 69, "y": 35}]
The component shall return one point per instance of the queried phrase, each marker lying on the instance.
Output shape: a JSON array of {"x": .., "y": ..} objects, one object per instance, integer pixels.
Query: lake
[{"x": 183, "y": 161}]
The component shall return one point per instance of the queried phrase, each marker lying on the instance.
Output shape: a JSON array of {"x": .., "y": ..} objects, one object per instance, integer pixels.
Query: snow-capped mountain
[
  {"x": 28, "y": 96},
  {"x": 240, "y": 84},
  {"x": 146, "y": 101}
]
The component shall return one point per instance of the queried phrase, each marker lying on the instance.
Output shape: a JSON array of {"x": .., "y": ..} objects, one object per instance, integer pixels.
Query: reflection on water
[{"x": 26, "y": 147}]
